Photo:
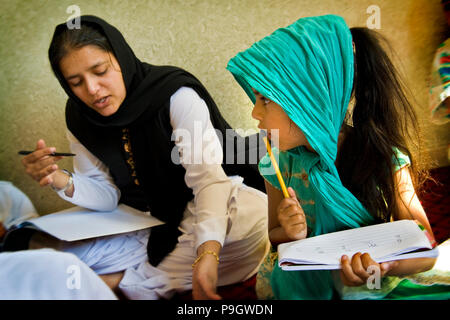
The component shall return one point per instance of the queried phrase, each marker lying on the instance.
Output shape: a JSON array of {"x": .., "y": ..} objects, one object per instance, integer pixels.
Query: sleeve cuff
[
  {"x": 211, "y": 229},
  {"x": 91, "y": 195},
  {"x": 72, "y": 199},
  {"x": 211, "y": 236}
]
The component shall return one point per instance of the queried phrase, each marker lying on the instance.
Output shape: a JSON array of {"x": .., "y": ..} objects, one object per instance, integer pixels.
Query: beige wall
[{"x": 200, "y": 36}]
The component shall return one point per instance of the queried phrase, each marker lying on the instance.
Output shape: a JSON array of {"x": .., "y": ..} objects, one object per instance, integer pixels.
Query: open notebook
[
  {"x": 78, "y": 223},
  {"x": 396, "y": 240}
]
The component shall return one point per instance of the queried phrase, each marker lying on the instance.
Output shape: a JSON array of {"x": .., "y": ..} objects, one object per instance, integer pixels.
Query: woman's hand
[
  {"x": 355, "y": 272},
  {"x": 291, "y": 217},
  {"x": 205, "y": 272},
  {"x": 40, "y": 165},
  {"x": 204, "y": 279}
]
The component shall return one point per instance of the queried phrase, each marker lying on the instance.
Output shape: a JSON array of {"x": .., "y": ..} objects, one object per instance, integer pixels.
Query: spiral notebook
[{"x": 403, "y": 239}]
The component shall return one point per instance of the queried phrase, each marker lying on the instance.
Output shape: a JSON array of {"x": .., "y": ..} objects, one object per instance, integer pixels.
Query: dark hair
[
  {"x": 69, "y": 39},
  {"x": 383, "y": 119}
]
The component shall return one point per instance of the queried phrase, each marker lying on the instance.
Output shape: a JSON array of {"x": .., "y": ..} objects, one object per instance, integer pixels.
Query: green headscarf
[{"x": 307, "y": 68}]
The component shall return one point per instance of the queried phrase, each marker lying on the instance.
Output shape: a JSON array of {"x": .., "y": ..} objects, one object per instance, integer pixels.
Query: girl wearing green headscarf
[{"x": 331, "y": 97}]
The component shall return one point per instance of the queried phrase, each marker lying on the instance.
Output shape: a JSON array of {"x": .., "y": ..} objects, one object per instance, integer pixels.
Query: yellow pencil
[{"x": 277, "y": 169}]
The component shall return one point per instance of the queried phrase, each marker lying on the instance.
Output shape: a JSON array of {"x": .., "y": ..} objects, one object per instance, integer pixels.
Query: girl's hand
[
  {"x": 291, "y": 217},
  {"x": 204, "y": 279},
  {"x": 355, "y": 272},
  {"x": 40, "y": 165}
]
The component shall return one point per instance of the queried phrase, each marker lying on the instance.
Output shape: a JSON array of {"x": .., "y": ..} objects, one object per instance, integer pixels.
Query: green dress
[{"x": 274, "y": 283}]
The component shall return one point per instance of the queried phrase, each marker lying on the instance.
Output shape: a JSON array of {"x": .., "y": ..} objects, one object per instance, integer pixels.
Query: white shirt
[
  {"x": 189, "y": 116},
  {"x": 15, "y": 206}
]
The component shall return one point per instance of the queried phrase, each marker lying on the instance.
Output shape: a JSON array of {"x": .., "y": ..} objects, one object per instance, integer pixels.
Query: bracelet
[
  {"x": 201, "y": 256},
  {"x": 68, "y": 184}
]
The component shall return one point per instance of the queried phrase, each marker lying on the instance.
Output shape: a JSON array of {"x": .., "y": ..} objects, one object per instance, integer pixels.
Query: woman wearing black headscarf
[{"x": 123, "y": 115}]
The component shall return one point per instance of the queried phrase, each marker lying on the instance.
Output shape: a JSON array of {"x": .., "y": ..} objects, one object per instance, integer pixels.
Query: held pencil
[
  {"x": 55, "y": 154},
  {"x": 277, "y": 169}
]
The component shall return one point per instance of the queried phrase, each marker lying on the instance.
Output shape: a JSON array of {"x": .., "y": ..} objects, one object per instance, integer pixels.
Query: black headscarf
[{"x": 145, "y": 113}]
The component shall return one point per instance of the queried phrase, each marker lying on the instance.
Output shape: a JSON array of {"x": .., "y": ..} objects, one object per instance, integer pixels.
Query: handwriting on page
[
  {"x": 384, "y": 242},
  {"x": 375, "y": 242}
]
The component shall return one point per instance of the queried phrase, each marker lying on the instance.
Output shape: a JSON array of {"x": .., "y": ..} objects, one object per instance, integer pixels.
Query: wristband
[{"x": 68, "y": 184}]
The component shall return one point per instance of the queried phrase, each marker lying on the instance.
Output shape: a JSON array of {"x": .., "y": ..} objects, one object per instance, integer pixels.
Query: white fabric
[
  {"x": 246, "y": 244},
  {"x": 49, "y": 275},
  {"x": 15, "y": 207},
  {"x": 93, "y": 186},
  {"x": 108, "y": 254},
  {"x": 210, "y": 185}
]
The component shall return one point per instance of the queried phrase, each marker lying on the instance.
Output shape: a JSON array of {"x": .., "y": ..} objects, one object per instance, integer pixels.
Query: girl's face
[
  {"x": 95, "y": 77},
  {"x": 271, "y": 117}
]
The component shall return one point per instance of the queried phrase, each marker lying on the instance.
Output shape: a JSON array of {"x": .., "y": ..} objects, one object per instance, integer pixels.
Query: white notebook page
[{"x": 79, "y": 223}]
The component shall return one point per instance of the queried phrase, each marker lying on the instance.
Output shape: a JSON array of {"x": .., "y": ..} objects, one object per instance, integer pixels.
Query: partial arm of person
[
  {"x": 410, "y": 208},
  {"x": 205, "y": 272},
  {"x": 92, "y": 187},
  {"x": 354, "y": 270},
  {"x": 201, "y": 155}
]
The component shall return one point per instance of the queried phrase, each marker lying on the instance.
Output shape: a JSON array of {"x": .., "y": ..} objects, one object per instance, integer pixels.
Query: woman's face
[
  {"x": 272, "y": 118},
  {"x": 95, "y": 77}
]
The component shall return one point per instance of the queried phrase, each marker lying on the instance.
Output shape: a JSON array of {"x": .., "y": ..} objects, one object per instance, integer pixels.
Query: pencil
[{"x": 277, "y": 169}]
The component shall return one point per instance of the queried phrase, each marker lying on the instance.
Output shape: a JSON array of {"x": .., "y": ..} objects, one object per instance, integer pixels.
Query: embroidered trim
[{"x": 129, "y": 154}]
